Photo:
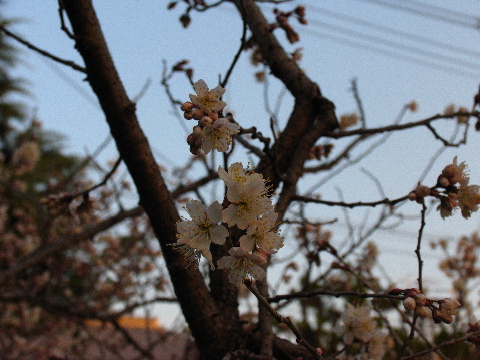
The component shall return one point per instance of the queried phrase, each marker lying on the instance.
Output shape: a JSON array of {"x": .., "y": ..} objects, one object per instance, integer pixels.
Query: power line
[
  {"x": 385, "y": 29},
  {"x": 428, "y": 14},
  {"x": 390, "y": 53},
  {"x": 430, "y": 7},
  {"x": 396, "y": 45}
]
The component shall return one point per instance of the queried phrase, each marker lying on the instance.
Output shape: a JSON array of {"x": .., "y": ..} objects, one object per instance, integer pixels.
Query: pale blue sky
[{"x": 337, "y": 47}]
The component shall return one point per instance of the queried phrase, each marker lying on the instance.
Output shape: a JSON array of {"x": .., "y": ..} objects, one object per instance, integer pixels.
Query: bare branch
[
  {"x": 390, "y": 128},
  {"x": 385, "y": 201},
  {"x": 282, "y": 320},
  {"x": 45, "y": 53},
  {"x": 337, "y": 294}
]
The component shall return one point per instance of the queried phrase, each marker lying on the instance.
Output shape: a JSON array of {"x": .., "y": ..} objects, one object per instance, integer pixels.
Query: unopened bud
[
  {"x": 205, "y": 121},
  {"x": 187, "y": 115},
  {"x": 197, "y": 113},
  {"x": 409, "y": 304},
  {"x": 412, "y": 196},
  {"x": 422, "y": 311},
  {"x": 420, "y": 299},
  {"x": 443, "y": 181},
  {"x": 213, "y": 115},
  {"x": 187, "y": 106},
  {"x": 422, "y": 190}
]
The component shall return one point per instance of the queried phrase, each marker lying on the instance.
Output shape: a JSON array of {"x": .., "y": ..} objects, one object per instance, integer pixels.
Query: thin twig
[
  {"x": 239, "y": 52},
  {"x": 337, "y": 294},
  {"x": 441, "y": 345},
  {"x": 45, "y": 53},
  {"x": 385, "y": 201},
  {"x": 417, "y": 250},
  {"x": 283, "y": 320},
  {"x": 390, "y": 128}
]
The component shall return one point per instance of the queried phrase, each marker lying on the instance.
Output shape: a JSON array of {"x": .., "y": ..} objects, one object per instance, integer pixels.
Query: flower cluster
[
  {"x": 249, "y": 209},
  {"x": 212, "y": 131},
  {"x": 359, "y": 326},
  {"x": 456, "y": 193},
  {"x": 425, "y": 308}
]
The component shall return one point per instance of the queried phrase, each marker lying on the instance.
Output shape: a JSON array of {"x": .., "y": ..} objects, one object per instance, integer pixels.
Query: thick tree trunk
[
  {"x": 203, "y": 316},
  {"x": 212, "y": 317}
]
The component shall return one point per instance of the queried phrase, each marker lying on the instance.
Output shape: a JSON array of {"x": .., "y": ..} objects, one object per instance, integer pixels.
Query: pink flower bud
[
  {"x": 412, "y": 196},
  {"x": 213, "y": 115},
  {"x": 443, "y": 181},
  {"x": 409, "y": 304},
  {"x": 420, "y": 299},
  {"x": 197, "y": 113},
  {"x": 187, "y": 106},
  {"x": 187, "y": 115},
  {"x": 422, "y": 190},
  {"x": 204, "y": 121},
  {"x": 423, "y": 312}
]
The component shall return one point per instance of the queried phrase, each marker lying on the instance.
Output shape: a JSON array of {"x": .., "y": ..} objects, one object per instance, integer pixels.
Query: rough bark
[
  {"x": 312, "y": 115},
  {"x": 197, "y": 305},
  {"x": 212, "y": 317}
]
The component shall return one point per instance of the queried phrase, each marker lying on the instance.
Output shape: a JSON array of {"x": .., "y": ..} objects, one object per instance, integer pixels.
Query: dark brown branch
[
  {"x": 207, "y": 325},
  {"x": 43, "y": 52},
  {"x": 390, "y": 128},
  {"x": 442, "y": 345},
  {"x": 417, "y": 250},
  {"x": 283, "y": 320},
  {"x": 130, "y": 340},
  {"x": 237, "y": 55},
  {"x": 309, "y": 294},
  {"x": 385, "y": 201}
]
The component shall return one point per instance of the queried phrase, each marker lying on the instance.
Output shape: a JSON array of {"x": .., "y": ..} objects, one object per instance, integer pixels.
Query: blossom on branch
[
  {"x": 247, "y": 204},
  {"x": 358, "y": 324},
  {"x": 468, "y": 198},
  {"x": 207, "y": 100},
  {"x": 237, "y": 174},
  {"x": 242, "y": 265},
  {"x": 203, "y": 229},
  {"x": 262, "y": 235},
  {"x": 218, "y": 135}
]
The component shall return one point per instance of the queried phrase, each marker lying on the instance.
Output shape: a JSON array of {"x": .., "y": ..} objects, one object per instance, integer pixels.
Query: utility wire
[
  {"x": 430, "y": 7},
  {"x": 385, "y": 29},
  {"x": 428, "y": 14},
  {"x": 397, "y": 45},
  {"x": 390, "y": 53}
]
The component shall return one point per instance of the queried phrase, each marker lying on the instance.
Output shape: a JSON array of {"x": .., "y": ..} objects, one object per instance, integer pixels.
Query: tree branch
[
  {"x": 43, "y": 52},
  {"x": 191, "y": 291}
]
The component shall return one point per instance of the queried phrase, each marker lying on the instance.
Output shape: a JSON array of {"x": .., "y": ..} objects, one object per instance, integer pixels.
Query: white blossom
[
  {"x": 358, "y": 324},
  {"x": 207, "y": 100},
  {"x": 247, "y": 204},
  {"x": 242, "y": 265},
  {"x": 262, "y": 235},
  {"x": 218, "y": 135},
  {"x": 203, "y": 229}
]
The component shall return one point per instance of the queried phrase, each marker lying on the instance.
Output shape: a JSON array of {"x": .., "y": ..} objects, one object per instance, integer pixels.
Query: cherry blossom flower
[
  {"x": 237, "y": 174},
  {"x": 423, "y": 311},
  {"x": 247, "y": 204},
  {"x": 262, "y": 236},
  {"x": 358, "y": 324},
  {"x": 218, "y": 135},
  {"x": 208, "y": 100},
  {"x": 456, "y": 173},
  {"x": 448, "y": 308},
  {"x": 242, "y": 265},
  {"x": 468, "y": 198},
  {"x": 203, "y": 229},
  {"x": 448, "y": 204}
]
